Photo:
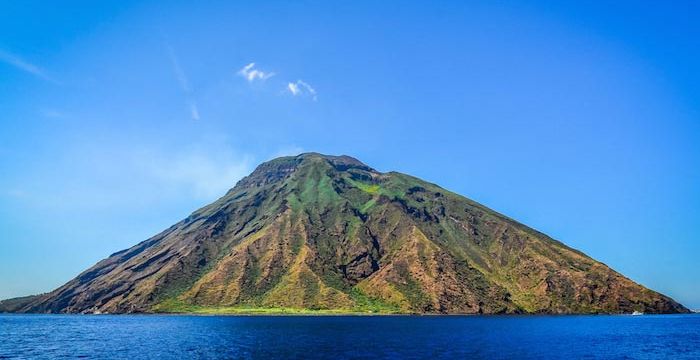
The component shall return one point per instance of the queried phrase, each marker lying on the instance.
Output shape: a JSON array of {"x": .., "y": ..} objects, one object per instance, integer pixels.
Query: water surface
[{"x": 358, "y": 337}]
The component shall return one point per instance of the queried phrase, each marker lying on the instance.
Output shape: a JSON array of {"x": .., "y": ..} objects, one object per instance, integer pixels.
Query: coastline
[{"x": 332, "y": 313}]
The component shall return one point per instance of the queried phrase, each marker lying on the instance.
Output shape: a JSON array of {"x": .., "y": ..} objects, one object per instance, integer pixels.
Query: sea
[{"x": 349, "y": 337}]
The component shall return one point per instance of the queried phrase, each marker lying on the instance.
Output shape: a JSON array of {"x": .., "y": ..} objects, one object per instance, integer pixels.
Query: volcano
[{"x": 328, "y": 233}]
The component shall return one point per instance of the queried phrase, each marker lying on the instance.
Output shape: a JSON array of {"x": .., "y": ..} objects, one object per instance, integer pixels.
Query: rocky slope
[{"x": 325, "y": 232}]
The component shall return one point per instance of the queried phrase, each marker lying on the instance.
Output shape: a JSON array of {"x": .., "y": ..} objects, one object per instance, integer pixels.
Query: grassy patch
[
  {"x": 368, "y": 205},
  {"x": 368, "y": 188},
  {"x": 364, "y": 304},
  {"x": 367, "y": 304},
  {"x": 293, "y": 202},
  {"x": 317, "y": 188},
  {"x": 174, "y": 306}
]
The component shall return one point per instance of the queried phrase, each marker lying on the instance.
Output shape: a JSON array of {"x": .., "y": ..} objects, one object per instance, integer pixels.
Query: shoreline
[{"x": 342, "y": 314}]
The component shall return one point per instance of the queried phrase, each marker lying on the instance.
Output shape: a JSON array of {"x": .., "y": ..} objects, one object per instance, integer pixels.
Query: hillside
[{"x": 330, "y": 234}]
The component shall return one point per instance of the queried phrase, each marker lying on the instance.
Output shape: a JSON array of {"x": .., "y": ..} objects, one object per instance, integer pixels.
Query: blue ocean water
[{"x": 344, "y": 337}]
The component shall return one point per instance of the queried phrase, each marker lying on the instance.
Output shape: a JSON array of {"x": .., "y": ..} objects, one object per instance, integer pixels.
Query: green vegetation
[
  {"x": 368, "y": 205},
  {"x": 317, "y": 188},
  {"x": 365, "y": 306},
  {"x": 388, "y": 188},
  {"x": 368, "y": 188}
]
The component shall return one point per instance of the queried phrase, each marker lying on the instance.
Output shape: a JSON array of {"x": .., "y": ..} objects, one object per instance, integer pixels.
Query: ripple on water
[{"x": 437, "y": 337}]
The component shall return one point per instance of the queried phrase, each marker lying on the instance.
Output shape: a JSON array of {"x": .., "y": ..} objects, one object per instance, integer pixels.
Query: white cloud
[
  {"x": 184, "y": 82},
  {"x": 300, "y": 88},
  {"x": 293, "y": 88},
  {"x": 25, "y": 66},
  {"x": 250, "y": 73}
]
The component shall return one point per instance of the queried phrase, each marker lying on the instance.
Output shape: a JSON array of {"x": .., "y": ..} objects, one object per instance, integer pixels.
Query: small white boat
[{"x": 637, "y": 313}]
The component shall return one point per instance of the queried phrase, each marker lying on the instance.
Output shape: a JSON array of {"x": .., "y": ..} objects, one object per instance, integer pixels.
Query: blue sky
[{"x": 579, "y": 119}]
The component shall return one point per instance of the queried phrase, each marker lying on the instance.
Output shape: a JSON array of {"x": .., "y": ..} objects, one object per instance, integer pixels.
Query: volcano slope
[{"x": 328, "y": 233}]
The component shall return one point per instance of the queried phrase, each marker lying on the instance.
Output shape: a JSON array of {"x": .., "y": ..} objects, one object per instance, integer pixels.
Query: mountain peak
[
  {"x": 340, "y": 161},
  {"x": 281, "y": 167}
]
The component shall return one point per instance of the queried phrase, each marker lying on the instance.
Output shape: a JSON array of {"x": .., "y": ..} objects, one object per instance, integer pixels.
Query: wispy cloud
[
  {"x": 250, "y": 73},
  {"x": 177, "y": 69},
  {"x": 21, "y": 64},
  {"x": 194, "y": 111},
  {"x": 297, "y": 88},
  {"x": 287, "y": 151},
  {"x": 53, "y": 114},
  {"x": 16, "y": 193},
  {"x": 206, "y": 173},
  {"x": 115, "y": 175},
  {"x": 183, "y": 82},
  {"x": 300, "y": 88}
]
